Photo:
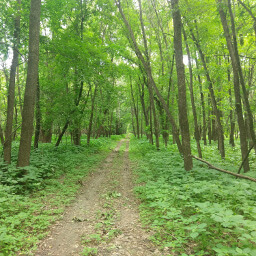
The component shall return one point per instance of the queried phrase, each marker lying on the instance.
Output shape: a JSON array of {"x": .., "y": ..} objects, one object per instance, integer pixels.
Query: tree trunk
[
  {"x": 147, "y": 68},
  {"x": 136, "y": 111},
  {"x": 91, "y": 116},
  {"x": 11, "y": 89},
  {"x": 239, "y": 111},
  {"x": 182, "y": 102},
  {"x": 1, "y": 133},
  {"x": 142, "y": 100},
  {"x": 203, "y": 107},
  {"x": 30, "y": 90},
  {"x": 38, "y": 116},
  {"x": 153, "y": 109},
  {"x": 231, "y": 115},
  {"x": 192, "y": 98},
  {"x": 241, "y": 76},
  {"x": 213, "y": 99}
]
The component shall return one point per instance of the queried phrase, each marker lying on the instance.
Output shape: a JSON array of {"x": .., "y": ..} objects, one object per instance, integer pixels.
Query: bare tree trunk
[
  {"x": 203, "y": 107},
  {"x": 11, "y": 89},
  {"x": 241, "y": 76},
  {"x": 192, "y": 98},
  {"x": 38, "y": 116},
  {"x": 30, "y": 90},
  {"x": 153, "y": 108},
  {"x": 91, "y": 116},
  {"x": 136, "y": 111},
  {"x": 209, "y": 121},
  {"x": 150, "y": 77},
  {"x": 213, "y": 99},
  {"x": 231, "y": 116},
  {"x": 239, "y": 111},
  {"x": 1, "y": 133},
  {"x": 182, "y": 102},
  {"x": 142, "y": 100}
]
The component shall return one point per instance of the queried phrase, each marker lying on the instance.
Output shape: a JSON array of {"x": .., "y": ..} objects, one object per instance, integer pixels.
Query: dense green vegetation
[
  {"x": 201, "y": 212},
  {"x": 179, "y": 74},
  {"x": 31, "y": 203}
]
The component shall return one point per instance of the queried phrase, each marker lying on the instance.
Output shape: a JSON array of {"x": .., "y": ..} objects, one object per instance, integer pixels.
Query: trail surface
[{"x": 104, "y": 219}]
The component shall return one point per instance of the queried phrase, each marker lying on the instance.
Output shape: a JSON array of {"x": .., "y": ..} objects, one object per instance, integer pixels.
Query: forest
[{"x": 127, "y": 127}]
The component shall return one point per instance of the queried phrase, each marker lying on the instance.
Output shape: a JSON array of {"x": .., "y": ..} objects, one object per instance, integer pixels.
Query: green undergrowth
[
  {"x": 29, "y": 204},
  {"x": 201, "y": 212}
]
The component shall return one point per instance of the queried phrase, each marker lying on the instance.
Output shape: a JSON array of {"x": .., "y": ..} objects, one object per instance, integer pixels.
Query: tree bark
[
  {"x": 31, "y": 82},
  {"x": 182, "y": 102},
  {"x": 38, "y": 116},
  {"x": 91, "y": 116},
  {"x": 212, "y": 94},
  {"x": 192, "y": 98},
  {"x": 136, "y": 111},
  {"x": 239, "y": 111},
  {"x": 241, "y": 76},
  {"x": 150, "y": 77},
  {"x": 11, "y": 89}
]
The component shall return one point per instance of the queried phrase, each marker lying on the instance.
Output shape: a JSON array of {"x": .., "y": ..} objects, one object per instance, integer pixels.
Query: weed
[{"x": 89, "y": 251}]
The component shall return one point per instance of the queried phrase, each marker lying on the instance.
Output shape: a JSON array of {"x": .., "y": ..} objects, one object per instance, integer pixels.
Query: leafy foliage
[{"x": 201, "y": 212}]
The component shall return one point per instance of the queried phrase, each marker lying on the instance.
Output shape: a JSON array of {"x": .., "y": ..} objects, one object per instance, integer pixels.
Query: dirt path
[{"x": 104, "y": 220}]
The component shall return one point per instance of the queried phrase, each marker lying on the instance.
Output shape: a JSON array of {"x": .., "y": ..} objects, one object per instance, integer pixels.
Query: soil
[{"x": 104, "y": 219}]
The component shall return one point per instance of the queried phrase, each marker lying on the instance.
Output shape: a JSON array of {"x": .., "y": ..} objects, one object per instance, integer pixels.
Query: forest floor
[{"x": 104, "y": 218}]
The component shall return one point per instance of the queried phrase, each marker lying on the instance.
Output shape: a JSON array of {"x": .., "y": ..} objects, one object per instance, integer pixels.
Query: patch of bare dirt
[{"x": 104, "y": 219}]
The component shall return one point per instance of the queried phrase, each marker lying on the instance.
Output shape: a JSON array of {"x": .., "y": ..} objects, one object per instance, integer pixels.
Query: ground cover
[
  {"x": 29, "y": 204},
  {"x": 201, "y": 212}
]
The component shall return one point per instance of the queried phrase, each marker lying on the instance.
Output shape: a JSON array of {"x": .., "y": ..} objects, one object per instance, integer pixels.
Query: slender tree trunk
[
  {"x": 153, "y": 108},
  {"x": 151, "y": 123},
  {"x": 192, "y": 98},
  {"x": 203, "y": 109},
  {"x": 30, "y": 90},
  {"x": 38, "y": 116},
  {"x": 239, "y": 111},
  {"x": 209, "y": 122},
  {"x": 1, "y": 132},
  {"x": 231, "y": 115},
  {"x": 182, "y": 102},
  {"x": 136, "y": 111},
  {"x": 241, "y": 76},
  {"x": 91, "y": 116},
  {"x": 213, "y": 99},
  {"x": 11, "y": 89},
  {"x": 62, "y": 133},
  {"x": 150, "y": 77},
  {"x": 142, "y": 100},
  {"x": 133, "y": 126}
]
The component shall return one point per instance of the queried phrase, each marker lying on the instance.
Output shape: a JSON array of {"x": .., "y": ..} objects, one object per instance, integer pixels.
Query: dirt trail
[{"x": 104, "y": 219}]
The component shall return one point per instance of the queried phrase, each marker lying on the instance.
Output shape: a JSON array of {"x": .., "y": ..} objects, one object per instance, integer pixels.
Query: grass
[
  {"x": 28, "y": 205},
  {"x": 201, "y": 212}
]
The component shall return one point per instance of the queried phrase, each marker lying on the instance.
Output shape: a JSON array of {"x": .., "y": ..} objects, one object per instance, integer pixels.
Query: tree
[
  {"x": 31, "y": 84},
  {"x": 235, "y": 68},
  {"x": 182, "y": 100},
  {"x": 11, "y": 88}
]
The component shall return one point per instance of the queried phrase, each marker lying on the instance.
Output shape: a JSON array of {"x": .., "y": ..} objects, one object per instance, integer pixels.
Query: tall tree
[
  {"x": 239, "y": 110},
  {"x": 11, "y": 88},
  {"x": 151, "y": 80},
  {"x": 31, "y": 85},
  {"x": 182, "y": 99}
]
